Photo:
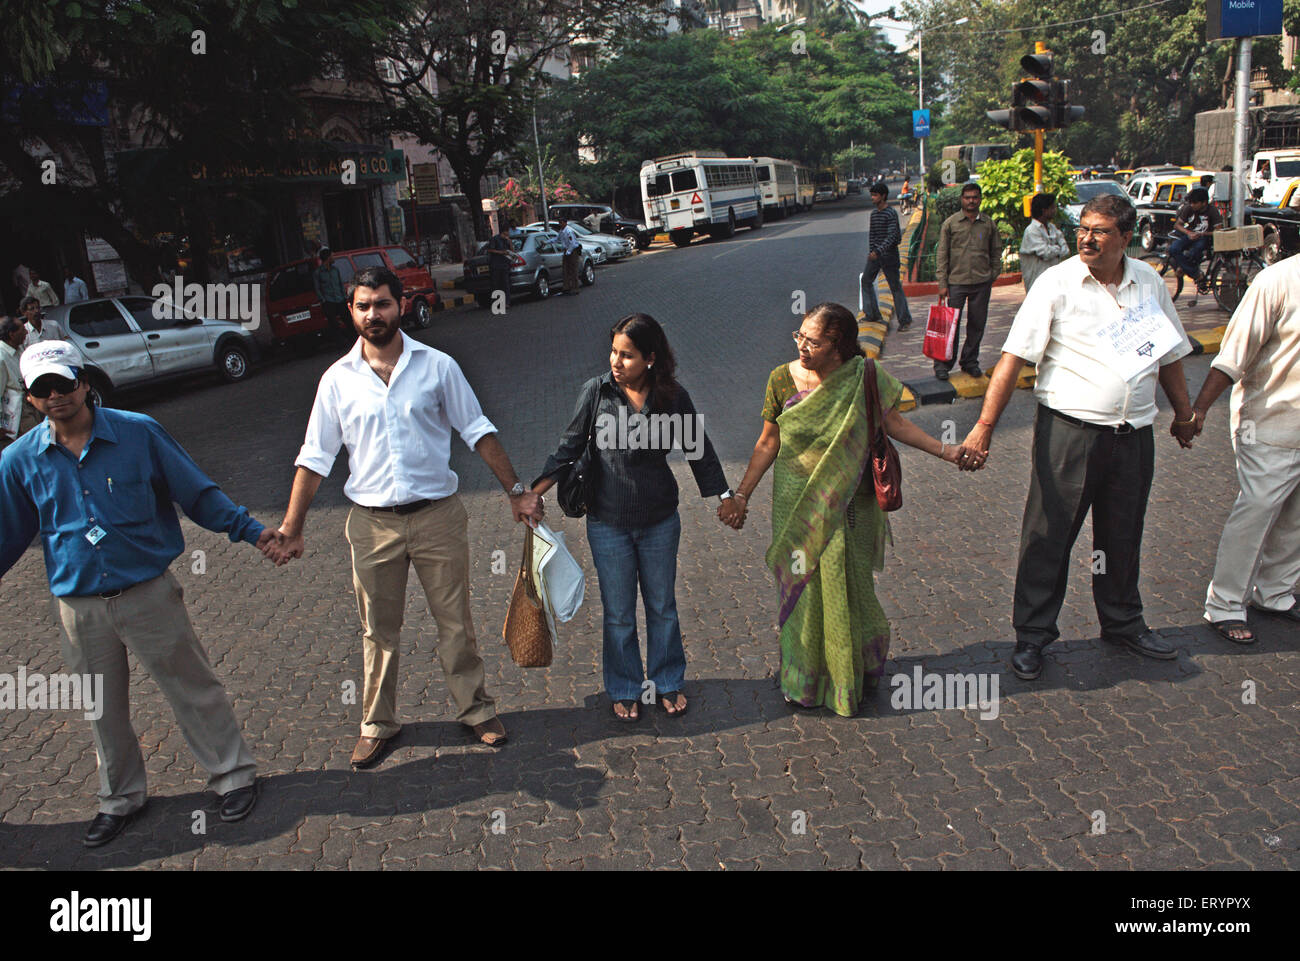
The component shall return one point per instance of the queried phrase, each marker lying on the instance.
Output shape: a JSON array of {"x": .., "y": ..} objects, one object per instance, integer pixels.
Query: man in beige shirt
[
  {"x": 969, "y": 259},
  {"x": 1259, "y": 553}
]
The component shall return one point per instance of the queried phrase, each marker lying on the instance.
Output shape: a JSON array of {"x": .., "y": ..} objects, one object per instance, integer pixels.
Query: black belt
[
  {"x": 1125, "y": 428},
  {"x": 399, "y": 509}
]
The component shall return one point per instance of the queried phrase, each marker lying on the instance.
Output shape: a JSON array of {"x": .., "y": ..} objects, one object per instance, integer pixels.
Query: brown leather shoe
[
  {"x": 368, "y": 751},
  {"x": 492, "y": 732}
]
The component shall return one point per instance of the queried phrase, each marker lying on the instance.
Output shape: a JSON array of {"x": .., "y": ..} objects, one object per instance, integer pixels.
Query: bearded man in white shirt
[
  {"x": 394, "y": 403},
  {"x": 1102, "y": 330},
  {"x": 1259, "y": 554}
]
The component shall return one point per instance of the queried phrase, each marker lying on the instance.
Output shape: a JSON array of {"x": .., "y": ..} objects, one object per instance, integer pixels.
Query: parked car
[
  {"x": 1281, "y": 224},
  {"x": 1271, "y": 172},
  {"x": 1084, "y": 191},
  {"x": 293, "y": 309},
  {"x": 608, "y": 221},
  {"x": 538, "y": 263},
  {"x": 592, "y": 249},
  {"x": 1141, "y": 186},
  {"x": 1155, "y": 218},
  {"x": 125, "y": 344},
  {"x": 613, "y": 246}
]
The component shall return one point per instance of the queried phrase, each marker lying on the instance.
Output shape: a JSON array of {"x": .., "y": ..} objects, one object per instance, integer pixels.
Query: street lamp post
[{"x": 920, "y": 77}]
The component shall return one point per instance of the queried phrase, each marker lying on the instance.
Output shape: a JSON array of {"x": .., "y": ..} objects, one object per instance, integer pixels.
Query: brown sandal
[{"x": 491, "y": 732}]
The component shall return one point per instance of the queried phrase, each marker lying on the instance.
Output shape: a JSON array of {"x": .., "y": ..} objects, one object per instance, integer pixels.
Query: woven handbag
[
  {"x": 886, "y": 471},
  {"x": 526, "y": 631}
]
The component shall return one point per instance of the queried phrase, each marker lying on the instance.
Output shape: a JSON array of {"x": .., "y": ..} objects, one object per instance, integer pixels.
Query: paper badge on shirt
[{"x": 1138, "y": 340}]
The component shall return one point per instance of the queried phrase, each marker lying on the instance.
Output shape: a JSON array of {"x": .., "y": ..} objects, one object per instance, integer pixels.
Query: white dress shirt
[
  {"x": 74, "y": 290},
  {"x": 1261, "y": 353},
  {"x": 1057, "y": 328},
  {"x": 569, "y": 239},
  {"x": 398, "y": 434},
  {"x": 49, "y": 331}
]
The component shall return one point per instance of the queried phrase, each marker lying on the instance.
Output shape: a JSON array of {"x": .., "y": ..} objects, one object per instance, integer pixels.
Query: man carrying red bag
[{"x": 969, "y": 258}]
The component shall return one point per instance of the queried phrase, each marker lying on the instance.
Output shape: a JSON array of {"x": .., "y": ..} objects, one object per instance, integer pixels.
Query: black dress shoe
[
  {"x": 973, "y": 371},
  {"x": 1148, "y": 645},
  {"x": 236, "y": 804},
  {"x": 105, "y": 827},
  {"x": 1027, "y": 661},
  {"x": 940, "y": 374}
]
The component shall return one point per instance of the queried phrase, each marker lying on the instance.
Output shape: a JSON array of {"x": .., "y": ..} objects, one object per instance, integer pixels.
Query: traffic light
[{"x": 1038, "y": 102}]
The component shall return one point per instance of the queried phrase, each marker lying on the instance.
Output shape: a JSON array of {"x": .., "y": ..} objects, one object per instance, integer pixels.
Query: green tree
[{"x": 1004, "y": 184}]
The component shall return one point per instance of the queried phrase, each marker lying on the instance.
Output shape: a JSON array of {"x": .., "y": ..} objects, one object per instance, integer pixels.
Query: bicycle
[{"x": 1227, "y": 275}]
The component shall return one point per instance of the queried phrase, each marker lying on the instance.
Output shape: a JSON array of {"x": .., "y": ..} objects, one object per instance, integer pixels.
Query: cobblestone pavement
[{"x": 1185, "y": 771}]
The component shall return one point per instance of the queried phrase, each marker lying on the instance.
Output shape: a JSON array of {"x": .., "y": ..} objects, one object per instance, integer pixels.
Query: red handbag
[
  {"x": 886, "y": 471},
  {"x": 941, "y": 332}
]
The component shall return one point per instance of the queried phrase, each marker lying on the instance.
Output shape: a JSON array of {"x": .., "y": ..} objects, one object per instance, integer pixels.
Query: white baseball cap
[{"x": 49, "y": 357}]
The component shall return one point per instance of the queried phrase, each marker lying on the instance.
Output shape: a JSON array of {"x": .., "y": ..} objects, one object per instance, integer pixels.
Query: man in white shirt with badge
[
  {"x": 1102, "y": 330},
  {"x": 394, "y": 403}
]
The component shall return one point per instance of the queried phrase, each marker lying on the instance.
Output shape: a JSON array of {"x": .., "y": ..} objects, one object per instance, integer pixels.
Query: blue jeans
[
  {"x": 1187, "y": 253},
  {"x": 624, "y": 555}
]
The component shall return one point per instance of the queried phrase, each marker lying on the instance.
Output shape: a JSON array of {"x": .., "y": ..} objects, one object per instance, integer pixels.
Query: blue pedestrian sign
[
  {"x": 920, "y": 123},
  {"x": 1242, "y": 18}
]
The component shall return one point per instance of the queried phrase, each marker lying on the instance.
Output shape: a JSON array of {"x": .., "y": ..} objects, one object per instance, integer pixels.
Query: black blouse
[{"x": 635, "y": 486}]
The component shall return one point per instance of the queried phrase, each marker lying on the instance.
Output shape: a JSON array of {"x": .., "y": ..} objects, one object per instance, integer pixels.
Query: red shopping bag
[{"x": 941, "y": 332}]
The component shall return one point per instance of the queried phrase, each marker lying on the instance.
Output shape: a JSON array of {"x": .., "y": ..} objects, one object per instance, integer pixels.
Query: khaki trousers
[
  {"x": 1259, "y": 553},
  {"x": 150, "y": 619},
  {"x": 435, "y": 540}
]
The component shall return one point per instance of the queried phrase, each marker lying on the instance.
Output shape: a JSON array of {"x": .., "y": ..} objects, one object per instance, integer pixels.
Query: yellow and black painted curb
[
  {"x": 447, "y": 303},
  {"x": 449, "y": 284}
]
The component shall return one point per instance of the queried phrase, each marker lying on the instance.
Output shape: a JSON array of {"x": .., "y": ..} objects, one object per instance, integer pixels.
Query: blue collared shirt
[{"x": 124, "y": 483}]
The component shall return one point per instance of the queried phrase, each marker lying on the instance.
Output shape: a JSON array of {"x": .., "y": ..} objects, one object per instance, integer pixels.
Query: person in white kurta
[{"x": 1259, "y": 554}]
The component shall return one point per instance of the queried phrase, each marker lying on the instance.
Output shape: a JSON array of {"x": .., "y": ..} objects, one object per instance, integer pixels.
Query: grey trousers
[
  {"x": 150, "y": 619},
  {"x": 1077, "y": 469}
]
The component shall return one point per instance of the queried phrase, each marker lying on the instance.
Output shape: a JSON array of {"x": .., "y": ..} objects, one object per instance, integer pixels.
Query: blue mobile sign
[
  {"x": 920, "y": 123},
  {"x": 1242, "y": 18}
]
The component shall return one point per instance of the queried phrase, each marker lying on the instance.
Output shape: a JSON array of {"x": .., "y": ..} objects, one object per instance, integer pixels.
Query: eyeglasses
[
  {"x": 1099, "y": 233},
  {"x": 803, "y": 341},
  {"x": 51, "y": 385}
]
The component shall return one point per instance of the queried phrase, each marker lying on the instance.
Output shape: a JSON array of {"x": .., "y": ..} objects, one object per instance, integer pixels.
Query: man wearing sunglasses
[{"x": 98, "y": 487}]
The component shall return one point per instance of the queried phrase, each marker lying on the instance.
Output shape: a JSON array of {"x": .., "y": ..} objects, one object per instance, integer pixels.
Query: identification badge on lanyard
[{"x": 96, "y": 534}]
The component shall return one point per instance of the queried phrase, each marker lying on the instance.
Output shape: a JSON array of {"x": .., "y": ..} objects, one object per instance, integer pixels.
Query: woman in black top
[{"x": 633, "y": 528}]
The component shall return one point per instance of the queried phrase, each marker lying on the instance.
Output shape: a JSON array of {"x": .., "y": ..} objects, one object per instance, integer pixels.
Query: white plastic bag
[{"x": 559, "y": 577}]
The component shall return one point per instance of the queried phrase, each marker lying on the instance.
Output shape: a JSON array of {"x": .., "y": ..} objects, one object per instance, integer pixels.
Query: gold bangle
[{"x": 1184, "y": 423}]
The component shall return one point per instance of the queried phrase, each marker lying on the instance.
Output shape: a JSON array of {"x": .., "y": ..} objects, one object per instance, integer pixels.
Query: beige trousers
[
  {"x": 435, "y": 541},
  {"x": 1259, "y": 553},
  {"x": 150, "y": 619}
]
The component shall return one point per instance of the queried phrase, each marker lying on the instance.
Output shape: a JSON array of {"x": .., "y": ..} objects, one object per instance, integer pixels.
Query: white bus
[
  {"x": 703, "y": 191},
  {"x": 804, "y": 187},
  {"x": 776, "y": 182}
]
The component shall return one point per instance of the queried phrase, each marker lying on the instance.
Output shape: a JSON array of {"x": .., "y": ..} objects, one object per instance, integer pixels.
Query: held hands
[
  {"x": 279, "y": 547},
  {"x": 1184, "y": 431},
  {"x": 527, "y": 507},
  {"x": 974, "y": 450},
  {"x": 731, "y": 513}
]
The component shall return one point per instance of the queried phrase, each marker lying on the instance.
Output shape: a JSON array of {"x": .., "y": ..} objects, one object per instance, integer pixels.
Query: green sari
[{"x": 828, "y": 536}]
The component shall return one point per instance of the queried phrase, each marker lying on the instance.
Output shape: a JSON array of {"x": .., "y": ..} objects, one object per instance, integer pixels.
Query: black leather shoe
[
  {"x": 1148, "y": 645},
  {"x": 236, "y": 804},
  {"x": 940, "y": 374},
  {"x": 1027, "y": 661},
  {"x": 973, "y": 371},
  {"x": 105, "y": 827}
]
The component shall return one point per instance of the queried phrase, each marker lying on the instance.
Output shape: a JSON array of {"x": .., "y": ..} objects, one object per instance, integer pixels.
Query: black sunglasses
[{"x": 50, "y": 384}]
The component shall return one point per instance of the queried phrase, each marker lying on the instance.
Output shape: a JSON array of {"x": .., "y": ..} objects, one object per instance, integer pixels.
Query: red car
[{"x": 293, "y": 308}]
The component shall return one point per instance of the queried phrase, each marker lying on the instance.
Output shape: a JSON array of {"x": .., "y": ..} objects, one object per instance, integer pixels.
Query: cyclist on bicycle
[
  {"x": 905, "y": 196},
  {"x": 1193, "y": 224}
]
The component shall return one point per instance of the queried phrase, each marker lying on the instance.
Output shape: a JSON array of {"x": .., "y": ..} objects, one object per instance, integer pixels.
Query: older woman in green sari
[{"x": 828, "y": 533}]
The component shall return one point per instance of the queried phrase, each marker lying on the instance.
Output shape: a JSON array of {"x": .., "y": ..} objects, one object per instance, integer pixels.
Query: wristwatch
[
  {"x": 726, "y": 495},
  {"x": 518, "y": 489}
]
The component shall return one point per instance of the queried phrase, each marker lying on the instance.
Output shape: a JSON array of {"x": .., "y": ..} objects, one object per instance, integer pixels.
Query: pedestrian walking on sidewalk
[
  {"x": 828, "y": 531},
  {"x": 1259, "y": 554},
  {"x": 17, "y": 416},
  {"x": 97, "y": 485},
  {"x": 969, "y": 259},
  {"x": 393, "y": 402},
  {"x": 327, "y": 279},
  {"x": 1043, "y": 244},
  {"x": 572, "y": 255},
  {"x": 883, "y": 237},
  {"x": 74, "y": 288},
  {"x": 1094, "y": 447},
  {"x": 638, "y": 412},
  {"x": 41, "y": 290}
]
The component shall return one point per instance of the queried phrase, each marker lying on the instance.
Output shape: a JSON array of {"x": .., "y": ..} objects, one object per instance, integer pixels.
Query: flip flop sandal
[
  {"x": 1290, "y": 614},
  {"x": 628, "y": 718},
  {"x": 1225, "y": 628},
  {"x": 663, "y": 705}
]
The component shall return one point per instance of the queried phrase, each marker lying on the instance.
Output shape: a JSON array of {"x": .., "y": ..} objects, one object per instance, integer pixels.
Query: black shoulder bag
[{"x": 576, "y": 489}]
